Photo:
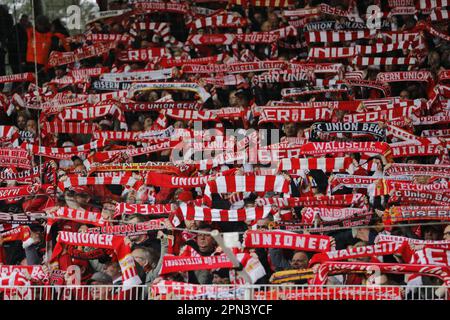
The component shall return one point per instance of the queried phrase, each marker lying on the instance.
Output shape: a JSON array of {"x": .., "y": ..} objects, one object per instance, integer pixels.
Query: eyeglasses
[{"x": 447, "y": 233}]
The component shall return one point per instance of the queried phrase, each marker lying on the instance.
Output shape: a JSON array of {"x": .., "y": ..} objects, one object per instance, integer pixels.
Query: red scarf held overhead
[
  {"x": 15, "y": 158},
  {"x": 356, "y": 200},
  {"x": 249, "y": 183},
  {"x": 21, "y": 233},
  {"x": 130, "y": 228},
  {"x": 144, "y": 209},
  {"x": 337, "y": 267},
  {"x": 382, "y": 249},
  {"x": 331, "y": 214},
  {"x": 122, "y": 251},
  {"x": 414, "y": 213},
  {"x": 196, "y": 213},
  {"x": 440, "y": 170},
  {"x": 287, "y": 240}
]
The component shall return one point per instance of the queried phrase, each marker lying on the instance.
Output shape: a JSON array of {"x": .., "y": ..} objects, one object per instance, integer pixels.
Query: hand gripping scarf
[
  {"x": 105, "y": 241},
  {"x": 21, "y": 233},
  {"x": 286, "y": 240},
  {"x": 125, "y": 179},
  {"x": 250, "y": 183}
]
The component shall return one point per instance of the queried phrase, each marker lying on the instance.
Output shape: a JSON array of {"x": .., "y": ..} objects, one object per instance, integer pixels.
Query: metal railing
[{"x": 224, "y": 292}]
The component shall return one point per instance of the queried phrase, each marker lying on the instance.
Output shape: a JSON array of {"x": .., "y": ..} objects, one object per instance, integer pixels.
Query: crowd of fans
[{"x": 36, "y": 108}]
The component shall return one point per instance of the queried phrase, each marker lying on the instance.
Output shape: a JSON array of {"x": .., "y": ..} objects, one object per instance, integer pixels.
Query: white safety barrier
[{"x": 225, "y": 292}]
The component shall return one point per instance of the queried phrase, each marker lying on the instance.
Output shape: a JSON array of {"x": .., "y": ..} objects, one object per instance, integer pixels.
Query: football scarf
[
  {"x": 356, "y": 200},
  {"x": 130, "y": 229},
  {"x": 346, "y": 127},
  {"x": 338, "y": 164},
  {"x": 14, "y": 158},
  {"x": 382, "y": 249},
  {"x": 250, "y": 183},
  {"x": 286, "y": 240},
  {"x": 149, "y": 106},
  {"x": 125, "y": 179},
  {"x": 182, "y": 86},
  {"x": 142, "y": 55},
  {"x": 396, "y": 169},
  {"x": 123, "y": 208},
  {"x": 21, "y": 233},
  {"x": 105, "y": 241},
  {"x": 334, "y": 267},
  {"x": 70, "y": 127},
  {"x": 413, "y": 213},
  {"x": 138, "y": 76},
  {"x": 19, "y": 77}
]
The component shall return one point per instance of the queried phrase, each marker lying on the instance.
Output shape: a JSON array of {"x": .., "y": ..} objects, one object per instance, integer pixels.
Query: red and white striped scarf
[
  {"x": 250, "y": 183},
  {"x": 338, "y": 36},
  {"x": 93, "y": 112},
  {"x": 338, "y": 164},
  {"x": 125, "y": 179},
  {"x": 225, "y": 20},
  {"x": 190, "y": 212},
  {"x": 105, "y": 241},
  {"x": 64, "y": 153},
  {"x": 383, "y": 61},
  {"x": 68, "y": 127},
  {"x": 9, "y": 135}
]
